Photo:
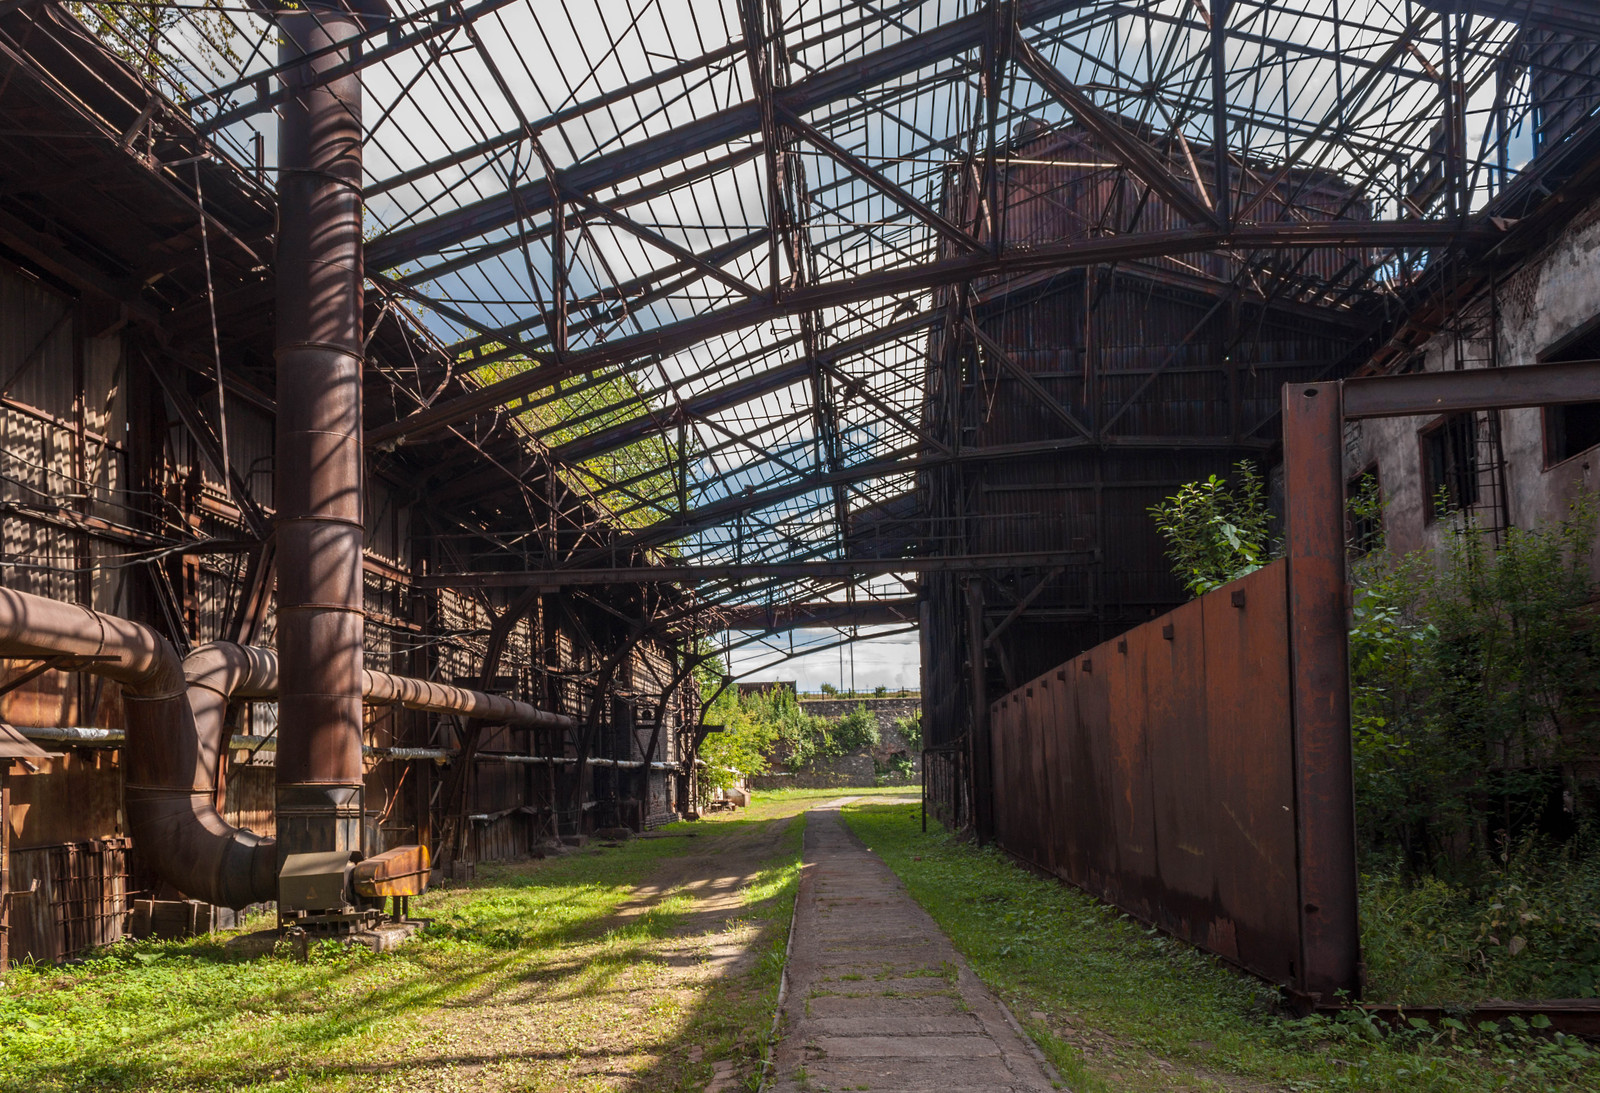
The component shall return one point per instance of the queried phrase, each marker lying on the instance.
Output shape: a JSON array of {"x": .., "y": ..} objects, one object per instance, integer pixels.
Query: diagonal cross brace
[{"x": 1140, "y": 159}]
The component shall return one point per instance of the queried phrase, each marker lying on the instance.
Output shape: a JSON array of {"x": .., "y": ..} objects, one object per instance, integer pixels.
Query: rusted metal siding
[
  {"x": 68, "y": 898},
  {"x": 73, "y": 796},
  {"x": 505, "y": 837},
  {"x": 660, "y": 798},
  {"x": 1156, "y": 771},
  {"x": 1063, "y": 184},
  {"x": 249, "y": 797},
  {"x": 1170, "y": 369}
]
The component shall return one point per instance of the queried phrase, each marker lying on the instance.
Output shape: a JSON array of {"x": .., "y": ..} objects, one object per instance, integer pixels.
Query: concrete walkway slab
[{"x": 878, "y": 998}]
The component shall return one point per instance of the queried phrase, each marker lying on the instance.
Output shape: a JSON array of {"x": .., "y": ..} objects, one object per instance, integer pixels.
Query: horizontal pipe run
[
  {"x": 74, "y": 735},
  {"x": 116, "y": 738},
  {"x": 560, "y": 760},
  {"x": 381, "y": 688},
  {"x": 249, "y": 672},
  {"x": 175, "y": 712}
]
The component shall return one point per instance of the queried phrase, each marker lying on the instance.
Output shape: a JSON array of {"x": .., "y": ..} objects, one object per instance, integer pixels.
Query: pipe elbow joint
[{"x": 195, "y": 850}]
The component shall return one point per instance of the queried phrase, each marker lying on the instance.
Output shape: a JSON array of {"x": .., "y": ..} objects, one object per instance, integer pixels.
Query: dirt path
[{"x": 878, "y": 998}]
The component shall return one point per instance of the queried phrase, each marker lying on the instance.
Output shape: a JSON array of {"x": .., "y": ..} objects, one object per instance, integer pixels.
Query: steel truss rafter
[{"x": 702, "y": 255}]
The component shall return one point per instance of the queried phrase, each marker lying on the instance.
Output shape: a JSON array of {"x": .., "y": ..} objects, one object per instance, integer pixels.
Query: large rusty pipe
[
  {"x": 227, "y": 671},
  {"x": 176, "y": 710},
  {"x": 170, "y": 768},
  {"x": 317, "y": 483}
]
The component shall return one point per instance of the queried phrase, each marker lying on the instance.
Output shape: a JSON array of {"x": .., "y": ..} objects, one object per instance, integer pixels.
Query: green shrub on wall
[
  {"x": 1217, "y": 532},
  {"x": 855, "y": 730},
  {"x": 910, "y": 729},
  {"x": 1472, "y": 690}
]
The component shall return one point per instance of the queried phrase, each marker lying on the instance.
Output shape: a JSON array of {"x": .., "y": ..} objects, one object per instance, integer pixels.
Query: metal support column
[
  {"x": 318, "y": 484},
  {"x": 982, "y": 768},
  {"x": 1330, "y": 941}
]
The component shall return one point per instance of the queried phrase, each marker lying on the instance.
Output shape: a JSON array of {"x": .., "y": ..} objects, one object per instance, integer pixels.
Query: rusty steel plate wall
[{"x": 1156, "y": 771}]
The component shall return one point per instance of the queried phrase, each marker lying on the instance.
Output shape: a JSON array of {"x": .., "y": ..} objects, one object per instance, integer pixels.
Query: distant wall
[
  {"x": 858, "y": 769},
  {"x": 885, "y": 709}
]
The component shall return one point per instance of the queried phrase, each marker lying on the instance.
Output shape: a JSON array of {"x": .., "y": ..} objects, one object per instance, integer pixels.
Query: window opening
[
  {"x": 1575, "y": 428},
  {"x": 1450, "y": 464},
  {"x": 1364, "y": 513}
]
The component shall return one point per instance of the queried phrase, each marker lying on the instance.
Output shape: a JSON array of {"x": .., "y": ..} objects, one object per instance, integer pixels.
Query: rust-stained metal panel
[
  {"x": 1088, "y": 722},
  {"x": 1251, "y": 766},
  {"x": 402, "y": 871},
  {"x": 68, "y": 898},
  {"x": 73, "y": 797},
  {"x": 1313, "y": 454},
  {"x": 1124, "y": 663},
  {"x": 1156, "y": 771},
  {"x": 1006, "y": 742},
  {"x": 1180, "y": 781}
]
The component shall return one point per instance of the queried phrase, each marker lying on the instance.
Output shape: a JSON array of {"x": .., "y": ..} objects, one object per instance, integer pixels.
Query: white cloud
[{"x": 894, "y": 662}]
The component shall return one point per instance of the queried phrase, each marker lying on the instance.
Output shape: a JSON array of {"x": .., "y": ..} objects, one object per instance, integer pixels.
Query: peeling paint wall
[{"x": 1532, "y": 308}]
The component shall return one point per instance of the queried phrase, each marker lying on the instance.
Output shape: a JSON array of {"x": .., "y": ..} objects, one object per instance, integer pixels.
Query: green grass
[
  {"x": 778, "y": 802},
  {"x": 1120, "y": 1008},
  {"x": 538, "y": 976},
  {"x": 1527, "y": 930}
]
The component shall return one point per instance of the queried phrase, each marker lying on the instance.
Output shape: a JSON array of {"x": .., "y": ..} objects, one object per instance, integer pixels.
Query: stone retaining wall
[{"x": 858, "y": 769}]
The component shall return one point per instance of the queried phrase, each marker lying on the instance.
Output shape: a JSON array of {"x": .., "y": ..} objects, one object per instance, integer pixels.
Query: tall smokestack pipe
[{"x": 318, "y": 484}]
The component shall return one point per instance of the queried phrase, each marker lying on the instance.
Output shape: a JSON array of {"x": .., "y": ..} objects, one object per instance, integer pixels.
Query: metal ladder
[{"x": 1477, "y": 338}]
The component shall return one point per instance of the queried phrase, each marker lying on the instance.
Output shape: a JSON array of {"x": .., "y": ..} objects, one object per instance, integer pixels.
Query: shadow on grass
[{"x": 566, "y": 932}]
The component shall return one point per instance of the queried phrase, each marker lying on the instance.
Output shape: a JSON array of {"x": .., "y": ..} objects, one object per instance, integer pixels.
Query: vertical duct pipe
[{"x": 318, "y": 468}]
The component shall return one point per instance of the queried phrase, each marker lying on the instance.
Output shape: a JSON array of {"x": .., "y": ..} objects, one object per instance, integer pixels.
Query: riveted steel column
[
  {"x": 318, "y": 469},
  {"x": 1313, "y": 451},
  {"x": 982, "y": 768}
]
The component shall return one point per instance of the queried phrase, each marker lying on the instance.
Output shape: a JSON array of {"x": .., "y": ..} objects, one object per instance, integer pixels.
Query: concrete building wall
[{"x": 1531, "y": 310}]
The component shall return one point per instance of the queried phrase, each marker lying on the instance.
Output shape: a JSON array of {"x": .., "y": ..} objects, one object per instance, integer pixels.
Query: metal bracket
[{"x": 45, "y": 664}]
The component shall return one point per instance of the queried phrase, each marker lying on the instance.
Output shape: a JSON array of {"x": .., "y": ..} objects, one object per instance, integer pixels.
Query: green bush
[
  {"x": 745, "y": 744},
  {"x": 855, "y": 730},
  {"x": 1215, "y": 532},
  {"x": 911, "y": 729},
  {"x": 899, "y": 767},
  {"x": 771, "y": 729},
  {"x": 1530, "y": 929},
  {"x": 1471, "y": 690}
]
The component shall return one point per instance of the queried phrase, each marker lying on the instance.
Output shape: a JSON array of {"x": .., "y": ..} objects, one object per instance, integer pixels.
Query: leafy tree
[
  {"x": 1215, "y": 532},
  {"x": 771, "y": 728},
  {"x": 745, "y": 744},
  {"x": 140, "y": 35},
  {"x": 640, "y": 478}
]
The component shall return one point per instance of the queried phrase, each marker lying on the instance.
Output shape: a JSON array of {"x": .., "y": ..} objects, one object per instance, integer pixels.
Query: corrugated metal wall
[
  {"x": 1171, "y": 371},
  {"x": 97, "y": 477}
]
